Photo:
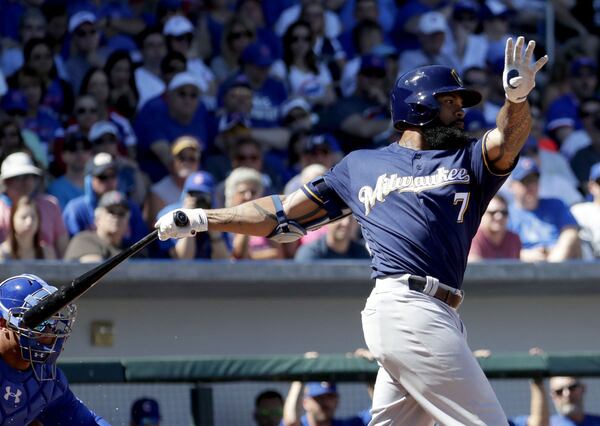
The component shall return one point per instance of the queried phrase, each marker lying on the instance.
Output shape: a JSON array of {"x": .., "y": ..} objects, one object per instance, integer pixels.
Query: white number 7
[{"x": 463, "y": 199}]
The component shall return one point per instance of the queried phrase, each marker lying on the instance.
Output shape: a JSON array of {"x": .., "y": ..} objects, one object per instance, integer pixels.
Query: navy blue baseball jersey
[
  {"x": 418, "y": 210},
  {"x": 24, "y": 399}
]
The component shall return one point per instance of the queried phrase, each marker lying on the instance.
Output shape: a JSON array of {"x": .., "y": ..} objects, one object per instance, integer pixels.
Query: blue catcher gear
[
  {"x": 42, "y": 345},
  {"x": 413, "y": 99}
]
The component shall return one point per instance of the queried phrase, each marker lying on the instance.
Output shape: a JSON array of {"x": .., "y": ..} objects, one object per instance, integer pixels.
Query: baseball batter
[
  {"x": 419, "y": 202},
  {"x": 33, "y": 391}
]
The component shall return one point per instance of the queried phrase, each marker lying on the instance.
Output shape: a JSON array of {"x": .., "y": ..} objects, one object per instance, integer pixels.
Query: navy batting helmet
[
  {"x": 413, "y": 101},
  {"x": 41, "y": 345}
]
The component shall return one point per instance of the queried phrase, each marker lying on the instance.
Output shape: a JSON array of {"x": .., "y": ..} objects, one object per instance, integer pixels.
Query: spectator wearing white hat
[
  {"x": 432, "y": 35},
  {"x": 22, "y": 178},
  {"x": 179, "y": 33},
  {"x": 105, "y": 137},
  {"x": 85, "y": 40},
  {"x": 180, "y": 113},
  {"x": 101, "y": 178}
]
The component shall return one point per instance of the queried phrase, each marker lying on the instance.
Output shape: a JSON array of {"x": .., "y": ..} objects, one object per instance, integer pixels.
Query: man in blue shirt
[
  {"x": 268, "y": 93},
  {"x": 546, "y": 227},
  {"x": 419, "y": 201},
  {"x": 180, "y": 113},
  {"x": 34, "y": 391},
  {"x": 568, "y": 397},
  {"x": 101, "y": 177},
  {"x": 320, "y": 401}
]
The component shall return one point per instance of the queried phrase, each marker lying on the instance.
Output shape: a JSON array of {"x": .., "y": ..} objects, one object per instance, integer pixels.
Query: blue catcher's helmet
[
  {"x": 413, "y": 99},
  {"x": 41, "y": 345}
]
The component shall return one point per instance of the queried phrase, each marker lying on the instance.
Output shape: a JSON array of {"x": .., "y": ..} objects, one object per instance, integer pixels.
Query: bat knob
[{"x": 180, "y": 218}]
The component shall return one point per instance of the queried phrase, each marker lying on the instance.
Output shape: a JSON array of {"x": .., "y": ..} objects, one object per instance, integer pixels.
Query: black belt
[{"x": 449, "y": 295}]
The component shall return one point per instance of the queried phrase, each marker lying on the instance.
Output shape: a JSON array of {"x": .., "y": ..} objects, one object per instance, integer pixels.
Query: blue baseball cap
[
  {"x": 145, "y": 411},
  {"x": 314, "y": 389},
  {"x": 199, "y": 182},
  {"x": 525, "y": 167},
  {"x": 324, "y": 141},
  {"x": 595, "y": 172},
  {"x": 257, "y": 54}
]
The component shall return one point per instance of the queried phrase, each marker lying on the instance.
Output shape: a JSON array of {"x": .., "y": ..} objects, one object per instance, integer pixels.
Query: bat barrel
[{"x": 67, "y": 294}]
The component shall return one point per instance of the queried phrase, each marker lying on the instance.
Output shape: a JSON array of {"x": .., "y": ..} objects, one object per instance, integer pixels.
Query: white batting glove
[
  {"x": 518, "y": 77},
  {"x": 167, "y": 228}
]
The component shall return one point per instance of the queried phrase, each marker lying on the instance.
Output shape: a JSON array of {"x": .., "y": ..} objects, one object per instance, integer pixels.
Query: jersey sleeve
[
  {"x": 338, "y": 179},
  {"x": 487, "y": 178},
  {"x": 68, "y": 410}
]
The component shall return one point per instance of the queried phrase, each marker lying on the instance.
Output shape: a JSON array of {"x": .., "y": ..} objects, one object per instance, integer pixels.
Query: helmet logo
[{"x": 456, "y": 77}]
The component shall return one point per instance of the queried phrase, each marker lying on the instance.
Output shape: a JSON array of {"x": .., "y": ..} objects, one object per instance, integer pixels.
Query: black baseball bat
[{"x": 67, "y": 294}]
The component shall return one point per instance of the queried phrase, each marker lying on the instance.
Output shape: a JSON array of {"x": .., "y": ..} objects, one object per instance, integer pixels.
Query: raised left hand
[{"x": 518, "y": 77}]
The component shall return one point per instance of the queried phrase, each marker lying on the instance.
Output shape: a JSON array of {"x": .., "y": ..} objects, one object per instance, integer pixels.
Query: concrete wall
[{"x": 191, "y": 308}]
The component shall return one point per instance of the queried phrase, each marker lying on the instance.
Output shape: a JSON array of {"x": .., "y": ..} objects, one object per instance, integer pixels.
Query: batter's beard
[{"x": 437, "y": 135}]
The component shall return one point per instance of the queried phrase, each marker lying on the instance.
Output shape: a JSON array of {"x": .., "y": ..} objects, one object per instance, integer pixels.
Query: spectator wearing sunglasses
[
  {"x": 85, "y": 40},
  {"x": 493, "y": 239},
  {"x": 111, "y": 217},
  {"x": 567, "y": 395},
  {"x": 101, "y": 177},
  {"x": 237, "y": 34},
  {"x": 179, "y": 113},
  {"x": 77, "y": 150},
  {"x": 179, "y": 33},
  {"x": 22, "y": 178},
  {"x": 186, "y": 152}
]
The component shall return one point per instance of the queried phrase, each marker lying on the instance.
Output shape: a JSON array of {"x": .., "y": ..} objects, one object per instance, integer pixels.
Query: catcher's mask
[{"x": 41, "y": 345}]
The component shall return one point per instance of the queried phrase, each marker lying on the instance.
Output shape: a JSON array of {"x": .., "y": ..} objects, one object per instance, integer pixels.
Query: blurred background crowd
[{"x": 115, "y": 111}]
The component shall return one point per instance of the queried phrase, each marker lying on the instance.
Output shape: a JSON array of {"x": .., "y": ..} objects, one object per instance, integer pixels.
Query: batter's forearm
[
  {"x": 258, "y": 217},
  {"x": 255, "y": 217},
  {"x": 514, "y": 124}
]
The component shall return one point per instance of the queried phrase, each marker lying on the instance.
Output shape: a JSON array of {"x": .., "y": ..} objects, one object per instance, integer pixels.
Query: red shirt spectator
[{"x": 493, "y": 240}]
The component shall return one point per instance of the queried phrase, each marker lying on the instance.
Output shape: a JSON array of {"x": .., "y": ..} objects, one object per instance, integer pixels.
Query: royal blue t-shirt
[
  {"x": 25, "y": 399},
  {"x": 154, "y": 123},
  {"x": 540, "y": 227},
  {"x": 419, "y": 210}
]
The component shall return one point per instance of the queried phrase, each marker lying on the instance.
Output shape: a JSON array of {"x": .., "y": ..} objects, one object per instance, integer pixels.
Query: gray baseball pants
[{"x": 427, "y": 372}]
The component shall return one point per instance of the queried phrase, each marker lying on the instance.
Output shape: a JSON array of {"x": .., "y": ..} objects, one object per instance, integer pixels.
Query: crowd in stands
[{"x": 114, "y": 112}]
